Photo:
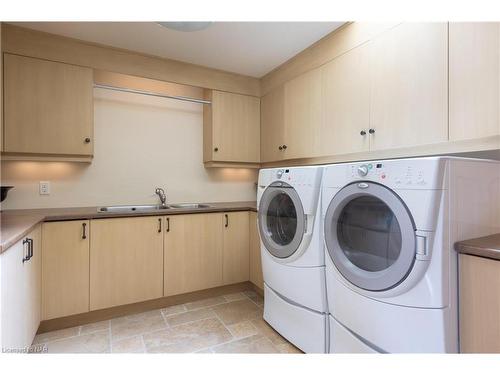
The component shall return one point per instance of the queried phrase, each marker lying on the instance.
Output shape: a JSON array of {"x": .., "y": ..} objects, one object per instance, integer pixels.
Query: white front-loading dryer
[
  {"x": 292, "y": 254},
  {"x": 391, "y": 270}
]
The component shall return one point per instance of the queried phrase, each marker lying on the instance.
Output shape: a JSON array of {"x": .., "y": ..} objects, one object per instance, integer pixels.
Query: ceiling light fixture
[{"x": 185, "y": 26}]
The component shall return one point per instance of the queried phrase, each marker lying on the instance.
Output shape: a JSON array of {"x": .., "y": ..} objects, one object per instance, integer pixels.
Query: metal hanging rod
[{"x": 149, "y": 93}]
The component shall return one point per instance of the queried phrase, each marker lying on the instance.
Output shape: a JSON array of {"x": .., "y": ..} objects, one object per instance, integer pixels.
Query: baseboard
[{"x": 134, "y": 308}]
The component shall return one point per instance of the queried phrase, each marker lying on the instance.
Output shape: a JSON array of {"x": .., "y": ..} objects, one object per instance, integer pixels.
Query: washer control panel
[{"x": 388, "y": 174}]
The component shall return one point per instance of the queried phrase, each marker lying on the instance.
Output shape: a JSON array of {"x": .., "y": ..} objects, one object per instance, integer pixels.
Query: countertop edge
[
  {"x": 32, "y": 220},
  {"x": 485, "y": 247}
]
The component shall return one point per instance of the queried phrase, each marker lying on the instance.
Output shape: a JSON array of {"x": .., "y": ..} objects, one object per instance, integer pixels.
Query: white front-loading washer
[
  {"x": 389, "y": 229},
  {"x": 292, "y": 253}
]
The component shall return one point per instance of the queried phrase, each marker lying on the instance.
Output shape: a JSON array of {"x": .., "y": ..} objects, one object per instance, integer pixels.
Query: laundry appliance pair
[{"x": 359, "y": 258}]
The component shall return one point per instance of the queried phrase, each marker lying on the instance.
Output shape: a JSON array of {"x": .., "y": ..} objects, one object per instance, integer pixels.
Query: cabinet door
[
  {"x": 256, "y": 276},
  {"x": 48, "y": 107},
  {"x": 235, "y": 128},
  {"x": 126, "y": 261},
  {"x": 409, "y": 91},
  {"x": 33, "y": 284},
  {"x": 303, "y": 115},
  {"x": 479, "y": 305},
  {"x": 346, "y": 103},
  {"x": 193, "y": 252},
  {"x": 272, "y": 136},
  {"x": 474, "y": 80},
  {"x": 65, "y": 268},
  {"x": 236, "y": 247},
  {"x": 14, "y": 314}
]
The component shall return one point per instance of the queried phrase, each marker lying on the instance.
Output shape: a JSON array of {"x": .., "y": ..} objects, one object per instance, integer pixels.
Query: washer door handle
[{"x": 363, "y": 185}]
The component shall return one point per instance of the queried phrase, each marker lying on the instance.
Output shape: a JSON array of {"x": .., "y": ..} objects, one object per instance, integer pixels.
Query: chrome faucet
[{"x": 161, "y": 194}]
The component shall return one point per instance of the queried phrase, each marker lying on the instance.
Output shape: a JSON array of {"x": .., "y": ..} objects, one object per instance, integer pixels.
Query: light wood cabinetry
[
  {"x": 387, "y": 93},
  {"x": 346, "y": 103},
  {"x": 256, "y": 276},
  {"x": 65, "y": 268},
  {"x": 474, "y": 79},
  {"x": 409, "y": 99},
  {"x": 20, "y": 272},
  {"x": 272, "y": 125},
  {"x": 235, "y": 267},
  {"x": 48, "y": 107},
  {"x": 126, "y": 261},
  {"x": 479, "y": 305},
  {"x": 231, "y": 128},
  {"x": 193, "y": 252},
  {"x": 303, "y": 116}
]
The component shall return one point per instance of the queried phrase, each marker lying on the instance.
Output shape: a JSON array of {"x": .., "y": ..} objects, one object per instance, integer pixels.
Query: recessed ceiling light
[{"x": 185, "y": 26}]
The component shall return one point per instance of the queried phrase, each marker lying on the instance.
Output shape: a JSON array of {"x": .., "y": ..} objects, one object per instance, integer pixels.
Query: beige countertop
[
  {"x": 15, "y": 224},
  {"x": 487, "y": 247}
]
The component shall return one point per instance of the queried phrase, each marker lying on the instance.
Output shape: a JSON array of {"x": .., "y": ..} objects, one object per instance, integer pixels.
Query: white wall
[{"x": 140, "y": 143}]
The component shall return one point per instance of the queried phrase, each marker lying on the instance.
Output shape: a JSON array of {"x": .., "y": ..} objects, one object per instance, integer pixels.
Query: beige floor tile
[
  {"x": 189, "y": 316},
  {"x": 237, "y": 311},
  {"x": 94, "y": 327},
  {"x": 257, "y": 298},
  {"x": 242, "y": 329},
  {"x": 205, "y": 303},
  {"x": 173, "y": 310},
  {"x": 136, "y": 324},
  {"x": 288, "y": 349},
  {"x": 266, "y": 330},
  {"x": 128, "y": 345},
  {"x": 205, "y": 351},
  {"x": 187, "y": 338},
  {"x": 235, "y": 296},
  {"x": 56, "y": 335},
  {"x": 92, "y": 343},
  {"x": 252, "y": 344}
]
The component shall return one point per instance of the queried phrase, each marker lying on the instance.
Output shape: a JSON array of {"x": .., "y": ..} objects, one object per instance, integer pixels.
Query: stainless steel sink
[
  {"x": 138, "y": 208},
  {"x": 189, "y": 205}
]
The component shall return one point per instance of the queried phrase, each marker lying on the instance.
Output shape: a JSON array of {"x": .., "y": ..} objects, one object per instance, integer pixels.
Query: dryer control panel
[
  {"x": 418, "y": 173},
  {"x": 402, "y": 176}
]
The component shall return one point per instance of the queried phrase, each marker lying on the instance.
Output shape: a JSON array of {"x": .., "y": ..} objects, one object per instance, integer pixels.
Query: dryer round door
[
  {"x": 370, "y": 236},
  {"x": 281, "y": 220}
]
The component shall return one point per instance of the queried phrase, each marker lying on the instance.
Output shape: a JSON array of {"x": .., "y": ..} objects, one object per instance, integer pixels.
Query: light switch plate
[{"x": 44, "y": 187}]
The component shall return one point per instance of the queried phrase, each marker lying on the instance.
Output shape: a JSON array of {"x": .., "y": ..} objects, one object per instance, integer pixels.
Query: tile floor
[{"x": 227, "y": 324}]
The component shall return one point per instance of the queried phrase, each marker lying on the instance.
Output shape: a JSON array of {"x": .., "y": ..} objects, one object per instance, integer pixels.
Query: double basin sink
[{"x": 151, "y": 207}]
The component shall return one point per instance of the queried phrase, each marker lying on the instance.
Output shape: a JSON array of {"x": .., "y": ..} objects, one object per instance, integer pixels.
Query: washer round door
[
  {"x": 370, "y": 236},
  {"x": 281, "y": 220}
]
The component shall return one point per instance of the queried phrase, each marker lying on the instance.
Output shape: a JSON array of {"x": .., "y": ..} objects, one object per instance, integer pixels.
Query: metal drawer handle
[
  {"x": 29, "y": 242},
  {"x": 84, "y": 231},
  {"x": 159, "y": 225},
  {"x": 227, "y": 220},
  {"x": 168, "y": 224}
]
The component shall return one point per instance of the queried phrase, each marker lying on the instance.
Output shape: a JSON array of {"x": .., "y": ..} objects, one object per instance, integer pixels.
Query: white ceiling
[{"x": 249, "y": 48}]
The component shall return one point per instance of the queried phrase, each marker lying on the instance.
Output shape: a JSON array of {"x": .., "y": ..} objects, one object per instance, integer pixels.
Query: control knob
[{"x": 363, "y": 170}]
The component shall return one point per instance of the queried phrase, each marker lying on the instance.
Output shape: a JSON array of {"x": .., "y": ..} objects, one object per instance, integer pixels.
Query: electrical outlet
[{"x": 44, "y": 187}]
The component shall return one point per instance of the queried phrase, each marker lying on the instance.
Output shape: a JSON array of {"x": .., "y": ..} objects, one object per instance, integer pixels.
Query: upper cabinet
[
  {"x": 389, "y": 92},
  {"x": 409, "y": 86},
  {"x": 302, "y": 136},
  {"x": 48, "y": 108},
  {"x": 231, "y": 128},
  {"x": 272, "y": 125},
  {"x": 474, "y": 80},
  {"x": 346, "y": 103}
]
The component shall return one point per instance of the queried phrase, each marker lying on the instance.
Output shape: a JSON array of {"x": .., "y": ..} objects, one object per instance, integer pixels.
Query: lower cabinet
[
  {"x": 255, "y": 276},
  {"x": 193, "y": 252},
  {"x": 126, "y": 260},
  {"x": 235, "y": 266},
  {"x": 84, "y": 265},
  {"x": 20, "y": 269},
  {"x": 65, "y": 268},
  {"x": 479, "y": 304}
]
